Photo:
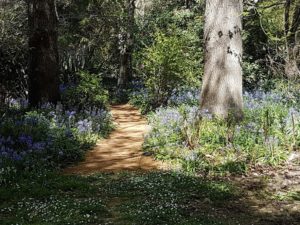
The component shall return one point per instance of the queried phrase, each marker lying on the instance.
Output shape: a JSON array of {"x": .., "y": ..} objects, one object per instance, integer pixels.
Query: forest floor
[{"x": 118, "y": 185}]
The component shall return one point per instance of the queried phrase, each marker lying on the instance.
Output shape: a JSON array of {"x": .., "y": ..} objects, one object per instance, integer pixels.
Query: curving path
[{"x": 122, "y": 150}]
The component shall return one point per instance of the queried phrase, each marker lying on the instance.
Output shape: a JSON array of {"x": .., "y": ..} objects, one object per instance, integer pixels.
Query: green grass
[
  {"x": 288, "y": 196},
  {"x": 126, "y": 198}
]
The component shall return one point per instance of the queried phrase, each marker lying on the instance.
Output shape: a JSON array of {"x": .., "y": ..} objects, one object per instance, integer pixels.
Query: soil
[{"x": 122, "y": 150}]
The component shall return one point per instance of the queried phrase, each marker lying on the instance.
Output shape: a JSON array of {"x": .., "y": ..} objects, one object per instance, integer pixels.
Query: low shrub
[
  {"x": 47, "y": 138},
  {"x": 255, "y": 76},
  {"x": 84, "y": 91},
  {"x": 166, "y": 65}
]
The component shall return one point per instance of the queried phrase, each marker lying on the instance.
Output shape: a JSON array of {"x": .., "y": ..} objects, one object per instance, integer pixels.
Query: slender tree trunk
[
  {"x": 127, "y": 46},
  {"x": 291, "y": 68},
  {"x": 2, "y": 95},
  {"x": 43, "y": 61},
  {"x": 188, "y": 3},
  {"x": 222, "y": 83}
]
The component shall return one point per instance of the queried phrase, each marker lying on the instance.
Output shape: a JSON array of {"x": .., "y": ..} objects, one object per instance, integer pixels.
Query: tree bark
[
  {"x": 142, "y": 7},
  {"x": 126, "y": 49},
  {"x": 43, "y": 60},
  {"x": 187, "y": 4},
  {"x": 222, "y": 82},
  {"x": 291, "y": 67}
]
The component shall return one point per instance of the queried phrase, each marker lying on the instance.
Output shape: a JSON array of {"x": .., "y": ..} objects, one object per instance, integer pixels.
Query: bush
[
  {"x": 47, "y": 138},
  {"x": 255, "y": 76},
  {"x": 165, "y": 67},
  {"x": 140, "y": 98},
  {"x": 84, "y": 92}
]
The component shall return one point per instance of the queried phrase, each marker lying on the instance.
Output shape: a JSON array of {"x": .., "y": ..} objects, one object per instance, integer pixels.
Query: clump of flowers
[
  {"x": 49, "y": 137},
  {"x": 198, "y": 141},
  {"x": 187, "y": 96}
]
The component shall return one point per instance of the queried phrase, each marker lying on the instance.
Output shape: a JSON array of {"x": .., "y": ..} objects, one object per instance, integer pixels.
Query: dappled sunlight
[
  {"x": 149, "y": 112},
  {"x": 122, "y": 149}
]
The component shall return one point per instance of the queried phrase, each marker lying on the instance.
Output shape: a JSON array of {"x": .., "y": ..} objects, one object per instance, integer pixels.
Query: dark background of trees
[{"x": 91, "y": 38}]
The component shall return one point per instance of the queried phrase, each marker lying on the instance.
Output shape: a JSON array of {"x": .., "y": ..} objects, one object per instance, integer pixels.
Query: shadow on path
[{"x": 122, "y": 150}]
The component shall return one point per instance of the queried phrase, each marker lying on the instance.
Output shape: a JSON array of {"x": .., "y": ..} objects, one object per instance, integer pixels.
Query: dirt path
[{"x": 122, "y": 150}]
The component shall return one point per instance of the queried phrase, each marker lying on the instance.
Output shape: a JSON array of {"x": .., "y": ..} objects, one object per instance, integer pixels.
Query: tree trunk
[
  {"x": 43, "y": 60},
  {"x": 142, "y": 7},
  {"x": 188, "y": 3},
  {"x": 222, "y": 82},
  {"x": 126, "y": 49},
  {"x": 291, "y": 67}
]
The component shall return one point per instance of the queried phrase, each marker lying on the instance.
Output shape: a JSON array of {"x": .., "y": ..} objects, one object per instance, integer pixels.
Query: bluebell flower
[
  {"x": 272, "y": 141},
  {"x": 52, "y": 113},
  {"x": 184, "y": 96},
  {"x": 39, "y": 146},
  {"x": 4, "y": 154},
  {"x": 19, "y": 123},
  {"x": 84, "y": 126},
  {"x": 24, "y": 103},
  {"x": 26, "y": 139},
  {"x": 251, "y": 126},
  {"x": 13, "y": 102},
  {"x": 191, "y": 156},
  {"x": 70, "y": 113},
  {"x": 205, "y": 113},
  {"x": 47, "y": 105},
  {"x": 16, "y": 157},
  {"x": 63, "y": 88}
]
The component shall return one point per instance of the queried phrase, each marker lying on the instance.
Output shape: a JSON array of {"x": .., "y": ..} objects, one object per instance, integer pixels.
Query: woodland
[{"x": 149, "y": 112}]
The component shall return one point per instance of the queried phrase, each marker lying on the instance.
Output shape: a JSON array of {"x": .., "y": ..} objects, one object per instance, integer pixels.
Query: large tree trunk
[
  {"x": 43, "y": 61},
  {"x": 291, "y": 67},
  {"x": 222, "y": 83},
  {"x": 126, "y": 49},
  {"x": 142, "y": 7}
]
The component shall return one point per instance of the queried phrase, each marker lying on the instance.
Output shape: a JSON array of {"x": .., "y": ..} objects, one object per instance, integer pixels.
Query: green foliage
[
  {"x": 48, "y": 138},
  {"x": 140, "y": 98},
  {"x": 201, "y": 143},
  {"x": 87, "y": 92},
  {"x": 165, "y": 66},
  {"x": 255, "y": 76},
  {"x": 7, "y": 174},
  {"x": 171, "y": 56},
  {"x": 13, "y": 51},
  {"x": 289, "y": 196},
  {"x": 88, "y": 35},
  {"x": 264, "y": 37},
  {"x": 122, "y": 198}
]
